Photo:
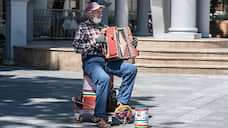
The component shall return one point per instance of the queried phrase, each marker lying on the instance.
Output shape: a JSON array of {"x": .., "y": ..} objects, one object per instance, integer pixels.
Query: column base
[
  {"x": 207, "y": 35},
  {"x": 187, "y": 29},
  {"x": 179, "y": 35}
]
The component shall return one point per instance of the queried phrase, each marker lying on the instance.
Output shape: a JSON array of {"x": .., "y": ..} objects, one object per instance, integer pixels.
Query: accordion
[{"x": 119, "y": 44}]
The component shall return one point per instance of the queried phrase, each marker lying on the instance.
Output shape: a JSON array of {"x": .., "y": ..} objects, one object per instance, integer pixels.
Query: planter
[{"x": 219, "y": 28}]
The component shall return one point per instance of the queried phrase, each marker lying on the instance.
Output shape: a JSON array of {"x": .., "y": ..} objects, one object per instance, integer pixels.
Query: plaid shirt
[{"x": 84, "y": 41}]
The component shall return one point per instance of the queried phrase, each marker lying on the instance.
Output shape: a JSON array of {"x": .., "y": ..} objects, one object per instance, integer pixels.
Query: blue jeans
[{"x": 98, "y": 69}]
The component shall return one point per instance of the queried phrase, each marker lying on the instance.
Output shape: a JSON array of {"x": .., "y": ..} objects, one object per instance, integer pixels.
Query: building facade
[{"x": 171, "y": 19}]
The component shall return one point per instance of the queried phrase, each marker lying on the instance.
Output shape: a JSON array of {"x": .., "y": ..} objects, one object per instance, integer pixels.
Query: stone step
[
  {"x": 48, "y": 58},
  {"x": 178, "y": 58},
  {"x": 182, "y": 60},
  {"x": 184, "y": 52},
  {"x": 146, "y": 42},
  {"x": 66, "y": 59},
  {"x": 183, "y": 69}
]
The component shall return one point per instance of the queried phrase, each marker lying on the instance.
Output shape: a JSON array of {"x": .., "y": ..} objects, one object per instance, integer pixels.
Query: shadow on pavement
[
  {"x": 44, "y": 101},
  {"x": 136, "y": 101},
  {"x": 37, "y": 102},
  {"x": 11, "y": 68}
]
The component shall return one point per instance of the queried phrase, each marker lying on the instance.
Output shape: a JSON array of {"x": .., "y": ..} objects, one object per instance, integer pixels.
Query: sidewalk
[{"x": 31, "y": 98}]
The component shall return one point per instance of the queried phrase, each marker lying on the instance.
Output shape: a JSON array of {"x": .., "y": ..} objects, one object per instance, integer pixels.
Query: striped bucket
[
  {"x": 88, "y": 94},
  {"x": 141, "y": 117}
]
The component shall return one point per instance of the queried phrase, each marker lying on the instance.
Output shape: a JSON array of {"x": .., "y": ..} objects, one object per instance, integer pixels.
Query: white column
[
  {"x": 18, "y": 29},
  {"x": 160, "y": 17},
  {"x": 142, "y": 17},
  {"x": 66, "y": 4},
  {"x": 183, "y": 20},
  {"x": 203, "y": 17}
]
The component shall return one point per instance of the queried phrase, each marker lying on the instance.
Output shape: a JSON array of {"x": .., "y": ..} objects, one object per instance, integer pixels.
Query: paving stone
[{"x": 32, "y": 98}]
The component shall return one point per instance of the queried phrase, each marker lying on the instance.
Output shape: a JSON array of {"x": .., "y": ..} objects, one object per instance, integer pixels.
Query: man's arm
[{"x": 84, "y": 43}]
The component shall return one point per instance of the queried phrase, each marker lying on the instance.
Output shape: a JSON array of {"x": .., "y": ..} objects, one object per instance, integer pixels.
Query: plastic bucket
[{"x": 141, "y": 117}]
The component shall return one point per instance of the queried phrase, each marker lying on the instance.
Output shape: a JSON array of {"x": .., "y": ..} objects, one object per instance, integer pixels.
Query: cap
[{"x": 93, "y": 6}]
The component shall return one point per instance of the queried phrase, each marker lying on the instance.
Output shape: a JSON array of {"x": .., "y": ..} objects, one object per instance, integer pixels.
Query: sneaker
[{"x": 100, "y": 122}]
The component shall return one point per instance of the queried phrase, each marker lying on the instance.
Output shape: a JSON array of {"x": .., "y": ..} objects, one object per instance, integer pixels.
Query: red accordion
[{"x": 120, "y": 44}]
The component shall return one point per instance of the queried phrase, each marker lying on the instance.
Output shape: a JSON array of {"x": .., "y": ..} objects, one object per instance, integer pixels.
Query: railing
[
  {"x": 56, "y": 23},
  {"x": 61, "y": 24}
]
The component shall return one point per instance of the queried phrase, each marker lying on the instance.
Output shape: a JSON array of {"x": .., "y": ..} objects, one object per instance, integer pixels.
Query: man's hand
[
  {"x": 100, "y": 39},
  {"x": 94, "y": 40},
  {"x": 103, "y": 31}
]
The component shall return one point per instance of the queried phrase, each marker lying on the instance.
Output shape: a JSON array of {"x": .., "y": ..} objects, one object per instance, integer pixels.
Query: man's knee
[
  {"x": 132, "y": 68},
  {"x": 104, "y": 79}
]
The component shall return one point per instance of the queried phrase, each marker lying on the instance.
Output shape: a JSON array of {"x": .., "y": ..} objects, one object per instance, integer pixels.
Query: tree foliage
[{"x": 214, "y": 5}]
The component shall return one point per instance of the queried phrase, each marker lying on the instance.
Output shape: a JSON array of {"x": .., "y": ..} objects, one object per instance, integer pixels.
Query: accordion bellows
[{"x": 119, "y": 44}]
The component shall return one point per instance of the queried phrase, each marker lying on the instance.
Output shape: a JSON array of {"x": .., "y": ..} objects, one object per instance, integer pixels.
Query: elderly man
[{"x": 95, "y": 65}]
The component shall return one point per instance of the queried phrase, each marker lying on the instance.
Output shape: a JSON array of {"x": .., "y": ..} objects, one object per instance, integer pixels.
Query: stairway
[{"x": 202, "y": 56}]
